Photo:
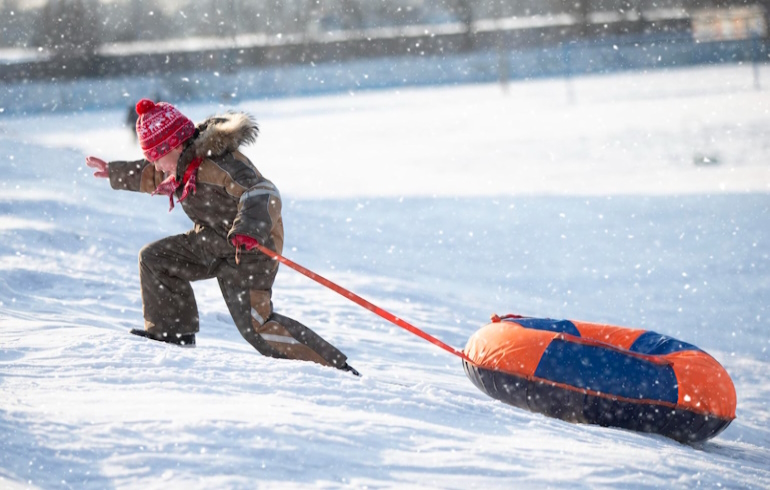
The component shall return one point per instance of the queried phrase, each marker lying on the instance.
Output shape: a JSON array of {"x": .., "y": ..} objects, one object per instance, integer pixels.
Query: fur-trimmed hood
[{"x": 217, "y": 136}]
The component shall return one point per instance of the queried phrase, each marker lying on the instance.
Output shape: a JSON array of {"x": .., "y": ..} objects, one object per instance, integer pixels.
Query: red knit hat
[{"x": 161, "y": 128}]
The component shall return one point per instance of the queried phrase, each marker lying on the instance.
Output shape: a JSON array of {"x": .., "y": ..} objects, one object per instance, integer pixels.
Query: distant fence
[
  {"x": 419, "y": 61},
  {"x": 164, "y": 58}
]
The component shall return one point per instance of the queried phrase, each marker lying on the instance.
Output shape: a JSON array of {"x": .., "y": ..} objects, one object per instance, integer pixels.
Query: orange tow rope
[{"x": 362, "y": 302}]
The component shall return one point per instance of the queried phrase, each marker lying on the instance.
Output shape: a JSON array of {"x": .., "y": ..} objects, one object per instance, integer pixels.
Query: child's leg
[
  {"x": 296, "y": 341},
  {"x": 247, "y": 292},
  {"x": 166, "y": 268}
]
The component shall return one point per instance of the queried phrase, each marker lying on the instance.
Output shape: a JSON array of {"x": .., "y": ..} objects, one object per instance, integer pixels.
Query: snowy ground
[{"x": 441, "y": 205}]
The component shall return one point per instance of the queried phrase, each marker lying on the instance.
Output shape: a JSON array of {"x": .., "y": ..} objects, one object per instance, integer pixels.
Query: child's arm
[
  {"x": 259, "y": 211},
  {"x": 138, "y": 176}
]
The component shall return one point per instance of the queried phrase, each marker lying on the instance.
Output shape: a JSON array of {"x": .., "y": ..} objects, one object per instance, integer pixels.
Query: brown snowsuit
[{"x": 232, "y": 198}]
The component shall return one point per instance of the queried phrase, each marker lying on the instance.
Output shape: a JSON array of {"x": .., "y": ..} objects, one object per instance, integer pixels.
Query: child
[{"x": 233, "y": 207}]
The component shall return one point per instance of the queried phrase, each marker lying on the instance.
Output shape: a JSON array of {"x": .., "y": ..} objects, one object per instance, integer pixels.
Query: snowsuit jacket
[{"x": 232, "y": 197}]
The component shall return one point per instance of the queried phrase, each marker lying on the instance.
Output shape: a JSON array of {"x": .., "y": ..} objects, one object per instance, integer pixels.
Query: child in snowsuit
[{"x": 233, "y": 207}]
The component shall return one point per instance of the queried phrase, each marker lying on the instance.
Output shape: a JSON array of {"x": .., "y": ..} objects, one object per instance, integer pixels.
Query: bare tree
[
  {"x": 353, "y": 17},
  {"x": 45, "y": 27},
  {"x": 79, "y": 30},
  {"x": 766, "y": 6},
  {"x": 8, "y": 18},
  {"x": 462, "y": 10},
  {"x": 582, "y": 10},
  {"x": 305, "y": 16}
]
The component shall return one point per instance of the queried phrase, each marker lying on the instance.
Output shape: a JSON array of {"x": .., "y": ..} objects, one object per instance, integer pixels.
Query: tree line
[{"x": 78, "y": 27}]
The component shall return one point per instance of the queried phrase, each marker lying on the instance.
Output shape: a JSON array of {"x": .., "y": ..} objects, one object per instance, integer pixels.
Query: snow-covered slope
[{"x": 440, "y": 205}]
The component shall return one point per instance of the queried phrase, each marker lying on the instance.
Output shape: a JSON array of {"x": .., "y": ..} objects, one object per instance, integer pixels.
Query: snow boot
[
  {"x": 180, "y": 339},
  {"x": 351, "y": 369}
]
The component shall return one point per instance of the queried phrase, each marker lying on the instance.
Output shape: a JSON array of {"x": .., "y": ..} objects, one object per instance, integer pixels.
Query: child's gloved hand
[
  {"x": 246, "y": 241},
  {"x": 243, "y": 241}
]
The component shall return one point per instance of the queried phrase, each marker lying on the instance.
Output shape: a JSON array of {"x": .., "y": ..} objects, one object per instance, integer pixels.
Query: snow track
[{"x": 440, "y": 205}]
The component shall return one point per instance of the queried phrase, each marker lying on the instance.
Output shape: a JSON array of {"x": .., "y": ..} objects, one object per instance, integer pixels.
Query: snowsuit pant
[{"x": 167, "y": 267}]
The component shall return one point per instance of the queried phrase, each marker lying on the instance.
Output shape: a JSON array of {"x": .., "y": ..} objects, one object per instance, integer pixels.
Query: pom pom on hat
[
  {"x": 161, "y": 128},
  {"x": 144, "y": 106}
]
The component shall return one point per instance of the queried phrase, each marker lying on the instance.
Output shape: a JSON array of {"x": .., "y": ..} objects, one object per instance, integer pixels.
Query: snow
[{"x": 441, "y": 205}]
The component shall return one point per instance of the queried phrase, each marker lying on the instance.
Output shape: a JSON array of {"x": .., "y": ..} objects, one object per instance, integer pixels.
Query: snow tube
[{"x": 602, "y": 374}]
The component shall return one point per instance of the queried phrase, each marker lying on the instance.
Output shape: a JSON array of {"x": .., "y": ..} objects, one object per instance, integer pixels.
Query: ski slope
[{"x": 441, "y": 205}]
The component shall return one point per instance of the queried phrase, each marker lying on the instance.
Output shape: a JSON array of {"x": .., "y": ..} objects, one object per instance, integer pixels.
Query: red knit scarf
[{"x": 169, "y": 186}]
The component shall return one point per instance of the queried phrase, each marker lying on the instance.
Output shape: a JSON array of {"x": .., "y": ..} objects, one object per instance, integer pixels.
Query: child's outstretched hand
[{"x": 101, "y": 167}]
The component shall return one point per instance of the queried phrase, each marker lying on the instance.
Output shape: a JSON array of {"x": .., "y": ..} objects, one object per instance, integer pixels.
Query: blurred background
[{"x": 80, "y": 54}]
